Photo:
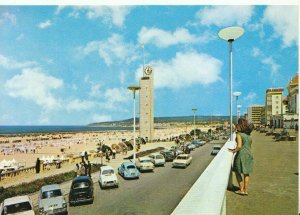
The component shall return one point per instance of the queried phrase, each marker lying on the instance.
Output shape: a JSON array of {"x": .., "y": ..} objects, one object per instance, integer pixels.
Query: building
[
  {"x": 254, "y": 114},
  {"x": 293, "y": 91},
  {"x": 273, "y": 105},
  {"x": 147, "y": 105}
]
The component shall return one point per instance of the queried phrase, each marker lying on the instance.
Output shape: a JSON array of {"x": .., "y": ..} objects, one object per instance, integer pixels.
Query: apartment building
[
  {"x": 254, "y": 114},
  {"x": 273, "y": 104}
]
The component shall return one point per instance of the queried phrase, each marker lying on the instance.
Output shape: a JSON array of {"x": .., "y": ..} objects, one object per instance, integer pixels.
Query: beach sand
[{"x": 50, "y": 144}]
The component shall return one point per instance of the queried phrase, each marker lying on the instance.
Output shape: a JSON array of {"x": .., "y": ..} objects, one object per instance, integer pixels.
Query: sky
[{"x": 67, "y": 65}]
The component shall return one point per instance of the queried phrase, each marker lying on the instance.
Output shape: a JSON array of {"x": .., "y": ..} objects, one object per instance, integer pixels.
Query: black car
[
  {"x": 168, "y": 155},
  {"x": 82, "y": 190}
]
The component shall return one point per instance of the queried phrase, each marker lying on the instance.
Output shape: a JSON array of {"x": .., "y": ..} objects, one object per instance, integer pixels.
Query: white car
[
  {"x": 157, "y": 159},
  {"x": 51, "y": 200},
  {"x": 107, "y": 177},
  {"x": 144, "y": 164},
  {"x": 216, "y": 149},
  {"x": 21, "y": 205},
  {"x": 182, "y": 160}
]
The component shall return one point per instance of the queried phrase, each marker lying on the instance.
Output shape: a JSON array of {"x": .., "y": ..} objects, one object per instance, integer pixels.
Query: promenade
[{"x": 273, "y": 187}]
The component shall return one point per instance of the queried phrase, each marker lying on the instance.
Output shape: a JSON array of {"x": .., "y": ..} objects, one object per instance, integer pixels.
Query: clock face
[{"x": 148, "y": 70}]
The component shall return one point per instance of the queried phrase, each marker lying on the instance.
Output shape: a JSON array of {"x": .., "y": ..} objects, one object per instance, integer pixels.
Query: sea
[{"x": 9, "y": 130}]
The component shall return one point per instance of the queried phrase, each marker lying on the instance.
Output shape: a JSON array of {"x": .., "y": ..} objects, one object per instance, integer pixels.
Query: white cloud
[
  {"x": 270, "y": 62},
  {"x": 33, "y": 85},
  {"x": 101, "y": 118},
  {"x": 256, "y": 52},
  {"x": 95, "y": 90},
  {"x": 285, "y": 22},
  {"x": 8, "y": 18},
  {"x": 162, "y": 38},
  {"x": 185, "y": 69},
  {"x": 79, "y": 105},
  {"x": 225, "y": 15},
  {"x": 114, "y": 49},
  {"x": 107, "y": 14},
  {"x": 250, "y": 97},
  {"x": 115, "y": 96},
  {"x": 44, "y": 24},
  {"x": 8, "y": 63}
]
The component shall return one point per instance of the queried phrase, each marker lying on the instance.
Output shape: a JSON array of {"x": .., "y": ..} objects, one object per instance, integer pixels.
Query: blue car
[{"x": 129, "y": 170}]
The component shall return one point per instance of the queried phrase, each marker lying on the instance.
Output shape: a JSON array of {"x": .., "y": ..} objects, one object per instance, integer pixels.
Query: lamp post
[
  {"x": 230, "y": 34},
  {"x": 194, "y": 110},
  {"x": 134, "y": 89},
  {"x": 237, "y": 94},
  {"x": 239, "y": 110}
]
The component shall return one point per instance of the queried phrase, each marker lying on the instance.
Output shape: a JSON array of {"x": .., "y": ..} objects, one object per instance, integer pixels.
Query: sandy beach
[{"x": 64, "y": 144}]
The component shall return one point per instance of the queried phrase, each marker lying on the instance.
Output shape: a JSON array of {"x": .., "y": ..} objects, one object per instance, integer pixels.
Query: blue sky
[{"x": 64, "y": 65}]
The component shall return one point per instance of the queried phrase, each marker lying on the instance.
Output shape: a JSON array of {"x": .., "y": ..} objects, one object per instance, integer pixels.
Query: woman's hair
[{"x": 244, "y": 127}]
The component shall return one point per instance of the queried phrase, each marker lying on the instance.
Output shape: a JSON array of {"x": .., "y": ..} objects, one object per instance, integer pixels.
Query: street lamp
[
  {"x": 230, "y": 34},
  {"x": 239, "y": 110},
  {"x": 134, "y": 89},
  {"x": 194, "y": 110},
  {"x": 237, "y": 94}
]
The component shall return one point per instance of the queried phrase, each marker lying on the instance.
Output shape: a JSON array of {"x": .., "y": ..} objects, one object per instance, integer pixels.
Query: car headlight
[{"x": 64, "y": 205}]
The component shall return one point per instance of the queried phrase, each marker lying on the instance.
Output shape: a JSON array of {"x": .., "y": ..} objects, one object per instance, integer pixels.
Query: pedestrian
[
  {"x": 82, "y": 169},
  {"x": 76, "y": 170},
  {"x": 37, "y": 166},
  {"x": 86, "y": 156},
  {"x": 243, "y": 161},
  {"x": 107, "y": 155},
  {"x": 114, "y": 154},
  {"x": 89, "y": 167}
]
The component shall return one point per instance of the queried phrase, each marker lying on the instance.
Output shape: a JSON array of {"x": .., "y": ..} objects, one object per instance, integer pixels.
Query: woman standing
[{"x": 243, "y": 161}]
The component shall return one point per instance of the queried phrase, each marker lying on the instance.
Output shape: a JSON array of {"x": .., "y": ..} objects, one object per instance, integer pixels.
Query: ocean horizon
[{"x": 27, "y": 129}]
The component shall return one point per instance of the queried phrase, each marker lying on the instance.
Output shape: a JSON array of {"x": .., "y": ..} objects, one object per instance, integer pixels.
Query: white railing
[{"x": 208, "y": 194}]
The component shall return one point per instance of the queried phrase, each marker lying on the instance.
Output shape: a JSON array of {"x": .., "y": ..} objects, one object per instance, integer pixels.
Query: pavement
[{"x": 273, "y": 187}]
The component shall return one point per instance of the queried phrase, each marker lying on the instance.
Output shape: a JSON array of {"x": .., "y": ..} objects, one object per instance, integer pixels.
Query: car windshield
[
  {"x": 17, "y": 208},
  {"x": 81, "y": 184},
  {"x": 131, "y": 167},
  {"x": 51, "y": 194},
  {"x": 169, "y": 153},
  {"x": 108, "y": 172},
  {"x": 159, "y": 157},
  {"x": 217, "y": 147}
]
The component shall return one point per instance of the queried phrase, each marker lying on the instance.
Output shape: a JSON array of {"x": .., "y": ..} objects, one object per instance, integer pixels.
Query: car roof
[
  {"x": 50, "y": 187},
  {"x": 127, "y": 163},
  {"x": 16, "y": 199},
  {"x": 144, "y": 158},
  {"x": 82, "y": 178},
  {"x": 156, "y": 154},
  {"x": 106, "y": 167},
  {"x": 181, "y": 155}
]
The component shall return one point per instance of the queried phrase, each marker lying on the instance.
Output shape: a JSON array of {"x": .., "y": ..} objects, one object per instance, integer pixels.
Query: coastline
[{"x": 74, "y": 143}]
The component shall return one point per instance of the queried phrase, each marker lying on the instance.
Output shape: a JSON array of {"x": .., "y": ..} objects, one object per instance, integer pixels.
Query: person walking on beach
[
  {"x": 37, "y": 166},
  {"x": 243, "y": 161},
  {"x": 114, "y": 154},
  {"x": 107, "y": 155},
  {"x": 89, "y": 167}
]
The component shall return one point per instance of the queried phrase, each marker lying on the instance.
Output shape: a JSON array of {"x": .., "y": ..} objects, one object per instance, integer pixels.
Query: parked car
[
  {"x": 190, "y": 146},
  {"x": 107, "y": 177},
  {"x": 144, "y": 164},
  {"x": 157, "y": 159},
  {"x": 182, "y": 160},
  {"x": 216, "y": 149},
  {"x": 196, "y": 143},
  {"x": 21, "y": 205},
  {"x": 176, "y": 151},
  {"x": 128, "y": 170},
  {"x": 51, "y": 200},
  {"x": 82, "y": 190},
  {"x": 168, "y": 155}
]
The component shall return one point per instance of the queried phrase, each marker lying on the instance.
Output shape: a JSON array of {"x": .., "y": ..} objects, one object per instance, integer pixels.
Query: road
[{"x": 157, "y": 192}]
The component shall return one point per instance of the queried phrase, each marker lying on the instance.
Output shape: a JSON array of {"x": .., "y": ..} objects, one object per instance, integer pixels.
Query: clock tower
[{"x": 147, "y": 105}]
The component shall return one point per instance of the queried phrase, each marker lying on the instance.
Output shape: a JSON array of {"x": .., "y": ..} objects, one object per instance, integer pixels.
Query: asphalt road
[{"x": 157, "y": 192}]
